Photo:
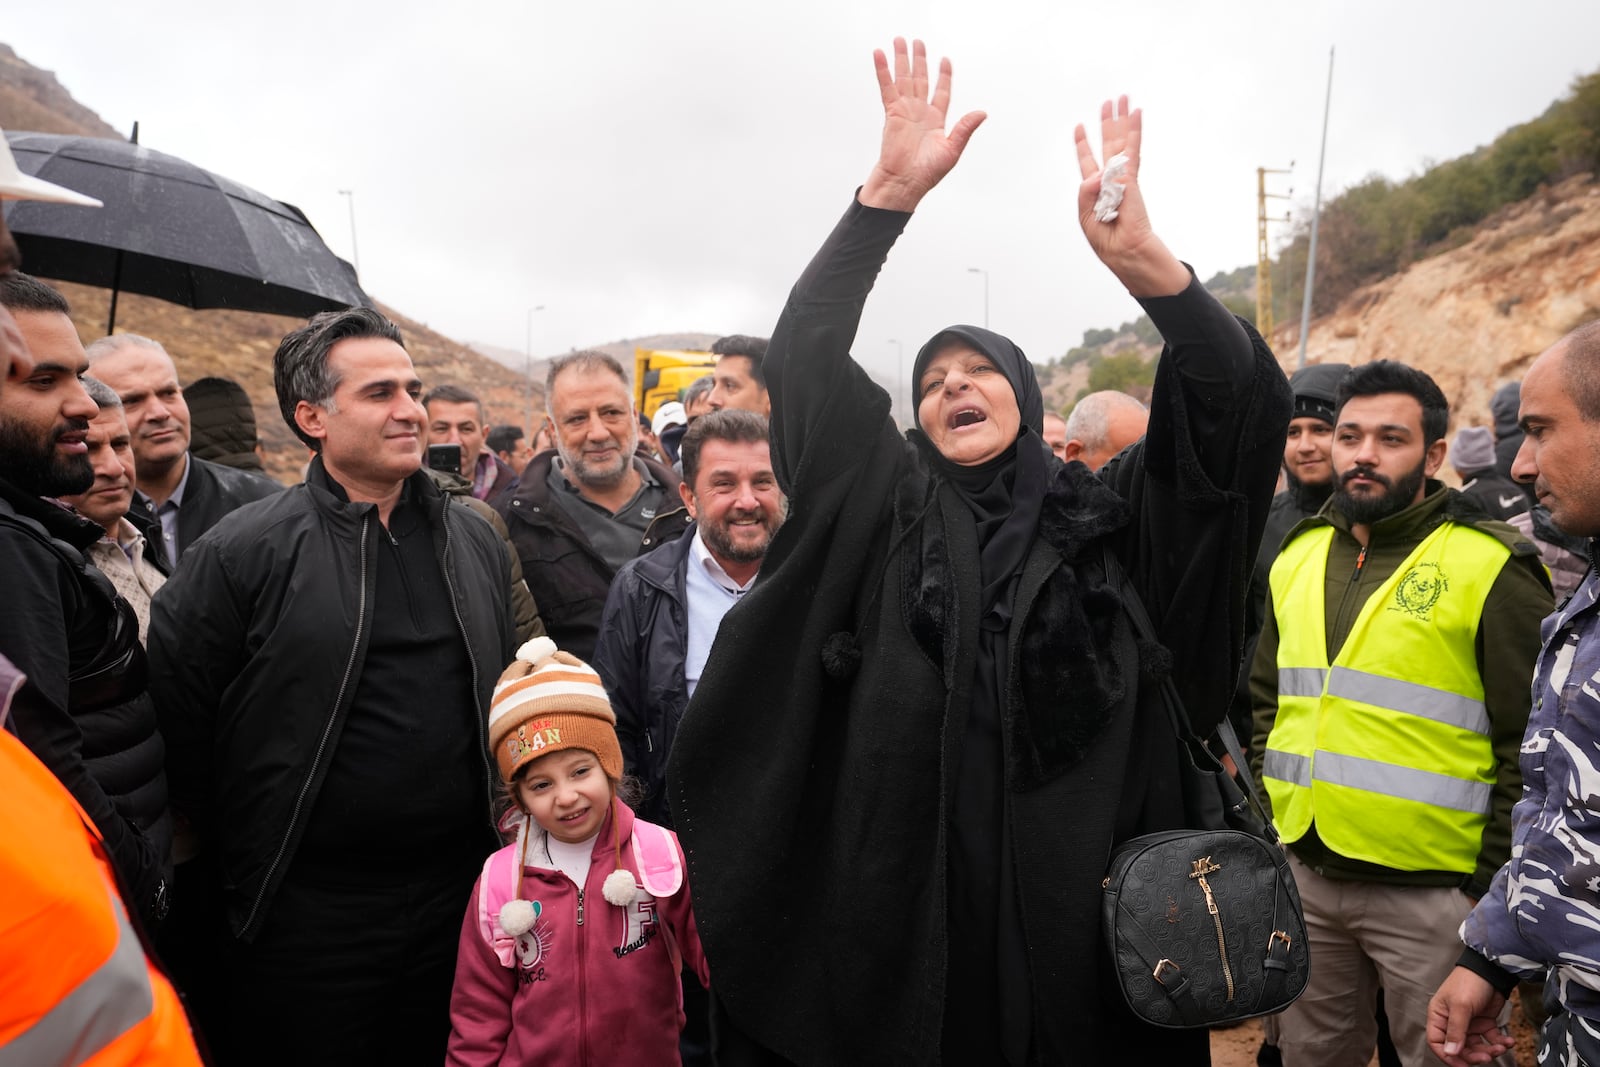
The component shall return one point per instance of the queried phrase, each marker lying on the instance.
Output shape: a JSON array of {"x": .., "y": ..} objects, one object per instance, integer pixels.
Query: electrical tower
[{"x": 1263, "y": 252}]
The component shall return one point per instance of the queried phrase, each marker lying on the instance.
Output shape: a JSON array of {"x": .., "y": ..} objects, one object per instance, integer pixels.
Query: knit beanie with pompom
[{"x": 548, "y": 700}]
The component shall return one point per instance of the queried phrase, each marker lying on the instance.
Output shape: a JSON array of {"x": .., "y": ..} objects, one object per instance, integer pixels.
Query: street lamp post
[
  {"x": 355, "y": 253},
  {"x": 527, "y": 371},
  {"x": 980, "y": 270}
]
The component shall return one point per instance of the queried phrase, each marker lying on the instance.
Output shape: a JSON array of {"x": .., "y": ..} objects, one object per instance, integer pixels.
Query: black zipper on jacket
[
  {"x": 466, "y": 639},
  {"x": 322, "y": 744}
]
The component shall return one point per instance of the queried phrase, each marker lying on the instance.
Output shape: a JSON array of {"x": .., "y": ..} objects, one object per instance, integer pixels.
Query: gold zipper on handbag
[{"x": 1202, "y": 867}]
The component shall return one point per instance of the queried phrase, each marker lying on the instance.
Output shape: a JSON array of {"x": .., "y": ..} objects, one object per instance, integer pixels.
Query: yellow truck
[{"x": 661, "y": 374}]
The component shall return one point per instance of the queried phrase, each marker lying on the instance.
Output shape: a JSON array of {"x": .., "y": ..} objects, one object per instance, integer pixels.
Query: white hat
[
  {"x": 669, "y": 414},
  {"x": 15, "y": 185}
]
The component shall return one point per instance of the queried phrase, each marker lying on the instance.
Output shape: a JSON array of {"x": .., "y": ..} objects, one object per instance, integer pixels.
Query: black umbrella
[{"x": 172, "y": 230}]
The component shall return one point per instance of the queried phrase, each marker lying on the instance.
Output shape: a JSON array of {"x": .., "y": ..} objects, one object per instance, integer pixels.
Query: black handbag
[{"x": 1204, "y": 925}]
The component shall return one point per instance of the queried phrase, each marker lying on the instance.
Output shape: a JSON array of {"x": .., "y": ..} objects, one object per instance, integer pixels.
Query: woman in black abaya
[{"x": 920, "y": 735}]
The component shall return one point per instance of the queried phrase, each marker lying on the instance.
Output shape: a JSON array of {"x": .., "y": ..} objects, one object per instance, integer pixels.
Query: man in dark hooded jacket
[
  {"x": 222, "y": 424},
  {"x": 1472, "y": 455},
  {"x": 1508, "y": 432}
]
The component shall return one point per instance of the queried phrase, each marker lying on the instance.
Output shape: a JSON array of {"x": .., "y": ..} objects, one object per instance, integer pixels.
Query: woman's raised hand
[
  {"x": 1125, "y": 244},
  {"x": 916, "y": 152}
]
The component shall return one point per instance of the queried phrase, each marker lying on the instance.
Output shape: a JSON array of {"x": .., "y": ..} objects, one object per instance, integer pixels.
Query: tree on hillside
[
  {"x": 1124, "y": 372},
  {"x": 1578, "y": 142}
]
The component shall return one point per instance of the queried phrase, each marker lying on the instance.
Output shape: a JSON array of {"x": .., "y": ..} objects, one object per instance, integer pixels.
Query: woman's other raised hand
[{"x": 1125, "y": 244}]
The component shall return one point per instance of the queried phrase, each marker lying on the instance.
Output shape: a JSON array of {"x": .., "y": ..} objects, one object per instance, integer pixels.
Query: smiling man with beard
[
  {"x": 664, "y": 607},
  {"x": 586, "y": 508},
  {"x": 1390, "y": 691},
  {"x": 85, "y": 713}
]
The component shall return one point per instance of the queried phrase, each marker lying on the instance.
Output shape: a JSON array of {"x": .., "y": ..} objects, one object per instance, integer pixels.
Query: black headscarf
[{"x": 1006, "y": 492}]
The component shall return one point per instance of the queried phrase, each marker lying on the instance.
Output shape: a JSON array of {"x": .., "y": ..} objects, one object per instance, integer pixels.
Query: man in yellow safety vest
[{"x": 1390, "y": 693}]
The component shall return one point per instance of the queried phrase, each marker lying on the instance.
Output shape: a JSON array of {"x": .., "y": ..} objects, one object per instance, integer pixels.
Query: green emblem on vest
[{"x": 1420, "y": 590}]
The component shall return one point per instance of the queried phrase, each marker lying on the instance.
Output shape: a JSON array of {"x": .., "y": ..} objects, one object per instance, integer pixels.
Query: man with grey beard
[{"x": 584, "y": 509}]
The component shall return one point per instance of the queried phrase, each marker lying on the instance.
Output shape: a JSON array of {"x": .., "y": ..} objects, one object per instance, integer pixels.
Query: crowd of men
[{"x": 267, "y": 703}]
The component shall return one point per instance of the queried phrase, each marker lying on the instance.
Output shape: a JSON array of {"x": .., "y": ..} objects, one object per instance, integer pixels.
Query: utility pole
[
  {"x": 1316, "y": 216},
  {"x": 355, "y": 253},
  {"x": 1264, "y": 321}
]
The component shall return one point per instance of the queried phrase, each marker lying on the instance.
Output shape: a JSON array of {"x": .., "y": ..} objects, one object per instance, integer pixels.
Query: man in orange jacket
[{"x": 75, "y": 983}]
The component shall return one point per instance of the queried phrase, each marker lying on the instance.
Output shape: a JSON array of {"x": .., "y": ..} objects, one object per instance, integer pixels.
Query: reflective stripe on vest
[
  {"x": 1412, "y": 698},
  {"x": 1387, "y": 749},
  {"x": 113, "y": 999}
]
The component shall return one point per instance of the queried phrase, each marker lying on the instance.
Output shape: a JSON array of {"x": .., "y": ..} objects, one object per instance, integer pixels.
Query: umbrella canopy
[{"x": 171, "y": 230}]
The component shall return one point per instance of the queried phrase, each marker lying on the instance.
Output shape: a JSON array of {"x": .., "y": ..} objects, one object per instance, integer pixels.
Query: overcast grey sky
[{"x": 638, "y": 167}]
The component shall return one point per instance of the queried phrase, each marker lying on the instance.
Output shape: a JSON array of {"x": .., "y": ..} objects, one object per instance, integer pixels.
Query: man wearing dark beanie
[
  {"x": 1472, "y": 455},
  {"x": 1308, "y": 474}
]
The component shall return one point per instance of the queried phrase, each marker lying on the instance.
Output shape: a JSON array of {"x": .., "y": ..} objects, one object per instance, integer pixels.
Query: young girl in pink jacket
[{"x": 577, "y": 932}]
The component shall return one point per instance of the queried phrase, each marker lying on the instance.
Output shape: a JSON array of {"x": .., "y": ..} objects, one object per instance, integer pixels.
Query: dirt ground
[{"x": 1237, "y": 1047}]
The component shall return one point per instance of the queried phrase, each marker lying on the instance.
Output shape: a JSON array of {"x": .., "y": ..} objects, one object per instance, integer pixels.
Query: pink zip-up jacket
[{"x": 591, "y": 983}]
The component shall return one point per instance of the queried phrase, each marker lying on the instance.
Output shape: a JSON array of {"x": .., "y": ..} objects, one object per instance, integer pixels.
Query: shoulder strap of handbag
[{"x": 1181, "y": 724}]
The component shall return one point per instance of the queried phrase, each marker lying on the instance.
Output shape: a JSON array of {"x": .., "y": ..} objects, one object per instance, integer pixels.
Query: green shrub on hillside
[{"x": 1120, "y": 371}]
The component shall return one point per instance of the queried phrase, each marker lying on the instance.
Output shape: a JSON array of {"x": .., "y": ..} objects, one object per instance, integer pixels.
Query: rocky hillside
[
  {"x": 32, "y": 99},
  {"x": 1477, "y": 315}
]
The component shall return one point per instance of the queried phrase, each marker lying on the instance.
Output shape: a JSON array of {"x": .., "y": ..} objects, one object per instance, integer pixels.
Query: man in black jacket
[
  {"x": 180, "y": 496},
  {"x": 323, "y": 663},
  {"x": 85, "y": 712},
  {"x": 583, "y": 510}
]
